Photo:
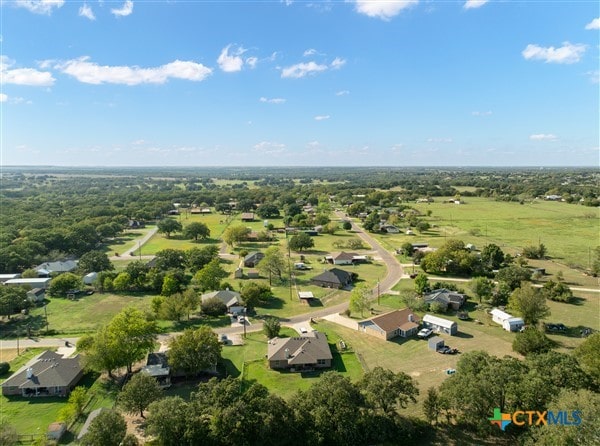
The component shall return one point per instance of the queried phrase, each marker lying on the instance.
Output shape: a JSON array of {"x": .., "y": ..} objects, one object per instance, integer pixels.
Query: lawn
[
  {"x": 249, "y": 362},
  {"x": 127, "y": 240}
]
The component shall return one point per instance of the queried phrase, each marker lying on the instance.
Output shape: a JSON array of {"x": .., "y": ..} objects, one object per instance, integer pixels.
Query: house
[
  {"x": 36, "y": 295},
  {"x": 135, "y": 224},
  {"x": 307, "y": 352},
  {"x": 195, "y": 210},
  {"x": 5, "y": 277},
  {"x": 47, "y": 268},
  {"x": 42, "y": 282},
  {"x": 49, "y": 374},
  {"x": 390, "y": 229},
  {"x": 445, "y": 298},
  {"x": 435, "y": 343},
  {"x": 247, "y": 216},
  {"x": 231, "y": 299},
  {"x": 333, "y": 278},
  {"x": 157, "y": 366},
  {"x": 89, "y": 278},
  {"x": 390, "y": 325},
  {"x": 252, "y": 259},
  {"x": 440, "y": 325},
  {"x": 508, "y": 321},
  {"x": 341, "y": 258}
]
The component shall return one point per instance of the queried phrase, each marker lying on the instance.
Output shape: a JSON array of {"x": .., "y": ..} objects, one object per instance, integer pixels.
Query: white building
[
  {"x": 42, "y": 282},
  {"x": 440, "y": 325},
  {"x": 508, "y": 321}
]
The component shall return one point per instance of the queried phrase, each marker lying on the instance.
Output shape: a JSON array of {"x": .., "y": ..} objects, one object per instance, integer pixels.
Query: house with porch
[
  {"x": 307, "y": 352},
  {"x": 49, "y": 374}
]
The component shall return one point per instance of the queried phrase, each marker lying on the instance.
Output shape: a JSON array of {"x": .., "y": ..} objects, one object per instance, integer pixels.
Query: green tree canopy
[
  {"x": 387, "y": 391},
  {"x": 531, "y": 341},
  {"x": 255, "y": 294},
  {"x": 107, "y": 429},
  {"x": 209, "y": 277},
  {"x": 168, "y": 226},
  {"x": 300, "y": 242},
  {"x": 234, "y": 235},
  {"x": 94, "y": 261},
  {"x": 139, "y": 392},
  {"x": 195, "y": 350},
  {"x": 272, "y": 264},
  {"x": 63, "y": 283},
  {"x": 529, "y": 303},
  {"x": 360, "y": 299},
  {"x": 196, "y": 230},
  {"x": 271, "y": 327}
]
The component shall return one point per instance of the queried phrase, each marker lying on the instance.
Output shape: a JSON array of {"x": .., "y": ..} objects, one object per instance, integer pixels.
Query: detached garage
[
  {"x": 440, "y": 325},
  {"x": 435, "y": 343}
]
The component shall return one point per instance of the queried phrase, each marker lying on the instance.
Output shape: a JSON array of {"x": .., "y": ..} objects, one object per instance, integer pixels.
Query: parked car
[
  {"x": 556, "y": 327},
  {"x": 303, "y": 330},
  {"x": 224, "y": 339},
  {"x": 424, "y": 333},
  {"x": 447, "y": 350}
]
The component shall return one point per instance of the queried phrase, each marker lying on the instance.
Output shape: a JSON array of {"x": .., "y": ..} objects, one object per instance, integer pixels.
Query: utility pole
[
  {"x": 140, "y": 249},
  {"x": 245, "y": 317},
  {"x": 378, "y": 294},
  {"x": 46, "y": 314}
]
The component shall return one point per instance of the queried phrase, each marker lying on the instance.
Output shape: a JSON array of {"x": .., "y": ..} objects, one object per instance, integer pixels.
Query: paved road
[{"x": 136, "y": 244}]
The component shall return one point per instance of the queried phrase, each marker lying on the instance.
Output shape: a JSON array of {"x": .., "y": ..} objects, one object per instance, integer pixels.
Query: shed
[
  {"x": 435, "y": 343},
  {"x": 36, "y": 295},
  {"x": 513, "y": 324},
  {"x": 89, "y": 278},
  {"x": 440, "y": 325}
]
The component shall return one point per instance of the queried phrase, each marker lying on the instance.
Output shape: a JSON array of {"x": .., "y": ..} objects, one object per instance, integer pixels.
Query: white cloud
[
  {"x": 272, "y": 100},
  {"x": 338, "y": 63},
  {"x": 472, "y": 4},
  {"x": 3, "y": 97},
  {"x": 269, "y": 147},
  {"x": 124, "y": 10},
  {"x": 447, "y": 140},
  {"x": 233, "y": 62},
  {"x": 383, "y": 9},
  {"x": 302, "y": 70},
  {"x": 40, "y": 6},
  {"x": 321, "y": 117},
  {"x": 342, "y": 93},
  {"x": 594, "y": 76},
  {"x": 309, "y": 52},
  {"x": 252, "y": 61},
  {"x": 23, "y": 76},
  {"x": 543, "y": 137},
  {"x": 482, "y": 113},
  {"x": 594, "y": 24},
  {"x": 567, "y": 54},
  {"x": 91, "y": 73},
  {"x": 86, "y": 11}
]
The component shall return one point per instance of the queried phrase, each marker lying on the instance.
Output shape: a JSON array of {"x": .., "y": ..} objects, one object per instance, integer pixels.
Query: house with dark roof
[
  {"x": 333, "y": 278},
  {"x": 252, "y": 259},
  {"x": 157, "y": 366},
  {"x": 231, "y": 299},
  {"x": 307, "y": 352},
  {"x": 49, "y": 374},
  {"x": 446, "y": 298},
  {"x": 387, "y": 326}
]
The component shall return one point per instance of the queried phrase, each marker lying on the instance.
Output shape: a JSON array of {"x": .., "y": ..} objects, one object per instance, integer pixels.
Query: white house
[
  {"x": 440, "y": 325},
  {"x": 5, "y": 277},
  {"x": 508, "y": 321}
]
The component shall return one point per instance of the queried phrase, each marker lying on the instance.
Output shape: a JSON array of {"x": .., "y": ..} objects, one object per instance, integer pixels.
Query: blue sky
[{"x": 349, "y": 83}]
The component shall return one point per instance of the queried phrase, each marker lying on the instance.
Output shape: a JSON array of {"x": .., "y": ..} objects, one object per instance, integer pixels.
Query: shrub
[
  {"x": 4, "y": 368},
  {"x": 213, "y": 307}
]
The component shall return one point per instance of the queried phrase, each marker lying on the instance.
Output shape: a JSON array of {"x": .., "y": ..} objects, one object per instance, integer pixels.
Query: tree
[
  {"x": 122, "y": 282},
  {"x": 557, "y": 291},
  {"x": 535, "y": 252},
  {"x": 63, "y": 283},
  {"x": 170, "y": 259},
  {"x": 213, "y": 307},
  {"x": 407, "y": 249},
  {"x": 273, "y": 263},
  {"x": 131, "y": 337},
  {"x": 194, "y": 350},
  {"x": 196, "y": 258},
  {"x": 170, "y": 286},
  {"x": 595, "y": 267},
  {"x": 371, "y": 223},
  {"x": 209, "y": 277},
  {"x": 141, "y": 390},
  {"x": 431, "y": 405},
  {"x": 190, "y": 300},
  {"x": 530, "y": 341},
  {"x": 513, "y": 275},
  {"x": 137, "y": 271},
  {"x": 482, "y": 287},
  {"x": 387, "y": 391},
  {"x": 300, "y": 242},
  {"x": 196, "y": 230},
  {"x": 271, "y": 327},
  {"x": 492, "y": 257},
  {"x": 173, "y": 422},
  {"x": 346, "y": 226},
  {"x": 99, "y": 352},
  {"x": 172, "y": 308},
  {"x": 107, "y": 429},
  {"x": 234, "y": 235},
  {"x": 587, "y": 355},
  {"x": 529, "y": 303},
  {"x": 267, "y": 210},
  {"x": 168, "y": 226},
  {"x": 360, "y": 299},
  {"x": 94, "y": 261},
  {"x": 421, "y": 283},
  {"x": 12, "y": 300},
  {"x": 587, "y": 404},
  {"x": 255, "y": 294}
]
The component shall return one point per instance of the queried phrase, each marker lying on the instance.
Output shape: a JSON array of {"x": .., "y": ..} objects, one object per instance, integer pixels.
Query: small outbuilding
[
  {"x": 36, "y": 295},
  {"x": 508, "y": 321},
  {"x": 435, "y": 343},
  {"x": 89, "y": 278},
  {"x": 440, "y": 325}
]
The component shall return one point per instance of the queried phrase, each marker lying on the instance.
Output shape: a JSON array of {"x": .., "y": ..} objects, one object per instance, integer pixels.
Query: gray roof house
[
  {"x": 229, "y": 298},
  {"x": 333, "y": 278},
  {"x": 47, "y": 268},
  {"x": 307, "y": 352},
  {"x": 49, "y": 374},
  {"x": 252, "y": 259},
  {"x": 446, "y": 298}
]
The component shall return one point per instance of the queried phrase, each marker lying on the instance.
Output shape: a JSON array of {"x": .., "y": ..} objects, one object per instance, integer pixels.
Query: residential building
[
  {"x": 440, "y": 325},
  {"x": 333, "y": 278},
  {"x": 231, "y": 299},
  {"x": 387, "y": 326},
  {"x": 307, "y": 352},
  {"x": 446, "y": 298}
]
